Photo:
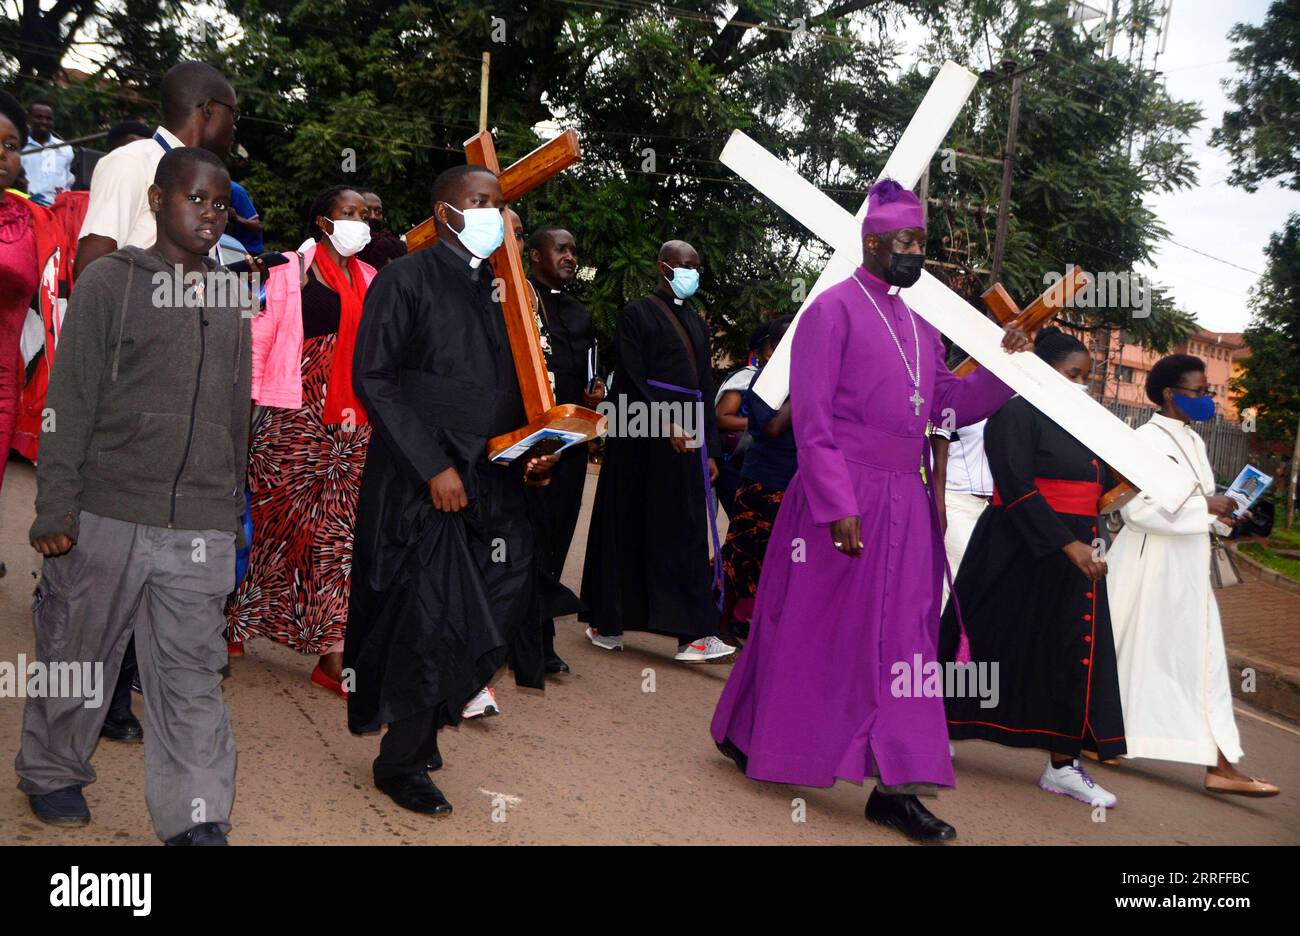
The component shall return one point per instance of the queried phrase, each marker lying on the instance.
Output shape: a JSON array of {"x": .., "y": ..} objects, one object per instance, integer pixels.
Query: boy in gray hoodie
[{"x": 138, "y": 504}]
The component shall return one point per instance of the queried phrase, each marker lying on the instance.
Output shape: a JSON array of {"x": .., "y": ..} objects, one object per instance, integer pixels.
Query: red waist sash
[{"x": 1067, "y": 497}]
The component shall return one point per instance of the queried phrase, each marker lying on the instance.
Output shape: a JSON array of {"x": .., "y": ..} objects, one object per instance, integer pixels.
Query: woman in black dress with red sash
[{"x": 1032, "y": 595}]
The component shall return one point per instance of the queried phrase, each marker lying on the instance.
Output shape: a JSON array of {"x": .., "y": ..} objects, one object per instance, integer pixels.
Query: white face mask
[{"x": 349, "y": 237}]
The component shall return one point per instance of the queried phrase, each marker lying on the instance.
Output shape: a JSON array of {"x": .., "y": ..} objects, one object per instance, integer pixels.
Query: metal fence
[{"x": 1228, "y": 445}]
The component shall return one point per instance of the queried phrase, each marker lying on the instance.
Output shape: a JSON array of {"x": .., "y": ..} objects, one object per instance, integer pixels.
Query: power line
[
  {"x": 629, "y": 6},
  {"x": 1213, "y": 257}
]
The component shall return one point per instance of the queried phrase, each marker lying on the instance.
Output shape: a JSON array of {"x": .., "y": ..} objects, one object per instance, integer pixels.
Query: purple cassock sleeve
[
  {"x": 815, "y": 361},
  {"x": 961, "y": 401}
]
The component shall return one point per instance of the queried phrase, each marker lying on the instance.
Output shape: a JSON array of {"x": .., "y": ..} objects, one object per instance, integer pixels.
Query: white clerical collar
[
  {"x": 1171, "y": 422},
  {"x": 893, "y": 291},
  {"x": 555, "y": 292},
  {"x": 474, "y": 262},
  {"x": 676, "y": 301}
]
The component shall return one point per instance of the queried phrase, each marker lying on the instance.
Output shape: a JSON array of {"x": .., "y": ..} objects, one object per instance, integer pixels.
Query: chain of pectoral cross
[{"x": 915, "y": 399}]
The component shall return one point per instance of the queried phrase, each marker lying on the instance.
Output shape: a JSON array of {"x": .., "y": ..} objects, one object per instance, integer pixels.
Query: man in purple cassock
[{"x": 849, "y": 595}]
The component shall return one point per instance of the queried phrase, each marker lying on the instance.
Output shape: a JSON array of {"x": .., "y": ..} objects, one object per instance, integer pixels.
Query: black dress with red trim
[{"x": 1027, "y": 608}]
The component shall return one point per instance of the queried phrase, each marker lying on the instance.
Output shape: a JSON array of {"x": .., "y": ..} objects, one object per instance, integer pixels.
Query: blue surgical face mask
[
  {"x": 1199, "y": 408},
  {"x": 684, "y": 282},
  {"x": 484, "y": 230}
]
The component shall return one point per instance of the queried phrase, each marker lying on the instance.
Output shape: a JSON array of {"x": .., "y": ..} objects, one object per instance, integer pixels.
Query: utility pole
[
  {"x": 1008, "y": 164},
  {"x": 924, "y": 194},
  {"x": 483, "y": 93},
  {"x": 1012, "y": 71}
]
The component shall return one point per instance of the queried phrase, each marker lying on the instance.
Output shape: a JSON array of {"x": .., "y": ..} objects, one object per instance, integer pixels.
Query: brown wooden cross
[
  {"x": 544, "y": 417},
  {"x": 1039, "y": 312}
]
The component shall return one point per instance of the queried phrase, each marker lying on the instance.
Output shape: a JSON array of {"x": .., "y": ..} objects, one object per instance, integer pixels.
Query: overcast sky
[{"x": 1214, "y": 216}]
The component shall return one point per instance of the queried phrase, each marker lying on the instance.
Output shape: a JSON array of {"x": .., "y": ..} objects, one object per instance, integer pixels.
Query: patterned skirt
[
  {"x": 305, "y": 477},
  {"x": 747, "y": 535}
]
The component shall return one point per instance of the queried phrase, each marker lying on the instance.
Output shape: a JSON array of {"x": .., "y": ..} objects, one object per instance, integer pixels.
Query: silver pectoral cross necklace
[{"x": 915, "y": 376}]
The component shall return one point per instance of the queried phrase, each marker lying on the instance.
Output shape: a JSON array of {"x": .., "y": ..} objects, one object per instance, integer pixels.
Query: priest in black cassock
[
  {"x": 570, "y": 344},
  {"x": 647, "y": 565},
  {"x": 443, "y": 565}
]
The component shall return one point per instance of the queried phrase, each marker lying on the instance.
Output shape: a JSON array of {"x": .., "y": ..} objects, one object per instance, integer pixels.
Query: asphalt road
[{"x": 595, "y": 759}]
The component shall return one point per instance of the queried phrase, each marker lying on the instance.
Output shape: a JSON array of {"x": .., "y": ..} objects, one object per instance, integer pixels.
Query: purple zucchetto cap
[{"x": 890, "y": 207}]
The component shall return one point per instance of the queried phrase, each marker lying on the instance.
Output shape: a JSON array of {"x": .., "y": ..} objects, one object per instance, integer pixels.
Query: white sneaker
[
  {"x": 1073, "y": 781},
  {"x": 485, "y": 703},
  {"x": 703, "y": 650},
  {"x": 605, "y": 643}
]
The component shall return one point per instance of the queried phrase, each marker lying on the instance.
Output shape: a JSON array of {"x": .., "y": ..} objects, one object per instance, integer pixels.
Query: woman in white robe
[{"x": 1173, "y": 669}]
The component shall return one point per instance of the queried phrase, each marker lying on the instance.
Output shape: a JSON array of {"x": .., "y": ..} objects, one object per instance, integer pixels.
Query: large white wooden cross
[{"x": 1084, "y": 418}]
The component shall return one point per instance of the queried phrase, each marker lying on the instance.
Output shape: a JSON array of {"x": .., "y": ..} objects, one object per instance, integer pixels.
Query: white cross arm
[
  {"x": 809, "y": 205},
  {"x": 1113, "y": 441},
  {"x": 791, "y": 192}
]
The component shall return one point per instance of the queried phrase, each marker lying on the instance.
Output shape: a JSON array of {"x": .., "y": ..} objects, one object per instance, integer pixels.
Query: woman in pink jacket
[
  {"x": 31, "y": 252},
  {"x": 309, "y": 442}
]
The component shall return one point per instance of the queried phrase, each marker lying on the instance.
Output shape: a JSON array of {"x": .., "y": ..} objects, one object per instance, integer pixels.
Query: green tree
[
  {"x": 1271, "y": 377},
  {"x": 1262, "y": 136},
  {"x": 653, "y": 92},
  {"x": 1097, "y": 135},
  {"x": 38, "y": 36},
  {"x": 133, "y": 41},
  {"x": 386, "y": 93},
  {"x": 1261, "y": 132}
]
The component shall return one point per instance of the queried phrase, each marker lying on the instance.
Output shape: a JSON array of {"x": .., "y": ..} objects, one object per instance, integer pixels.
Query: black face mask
[
  {"x": 375, "y": 225},
  {"x": 904, "y": 269}
]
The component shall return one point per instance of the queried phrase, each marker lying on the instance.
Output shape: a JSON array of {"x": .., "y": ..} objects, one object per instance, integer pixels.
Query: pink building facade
[{"x": 1129, "y": 364}]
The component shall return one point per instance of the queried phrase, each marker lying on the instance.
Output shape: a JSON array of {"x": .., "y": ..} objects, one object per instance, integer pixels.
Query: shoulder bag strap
[{"x": 681, "y": 333}]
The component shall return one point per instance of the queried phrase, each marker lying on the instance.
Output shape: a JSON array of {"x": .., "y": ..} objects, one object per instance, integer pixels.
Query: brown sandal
[{"x": 1251, "y": 786}]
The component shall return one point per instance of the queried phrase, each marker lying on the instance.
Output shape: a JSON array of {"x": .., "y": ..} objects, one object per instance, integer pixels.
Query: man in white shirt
[
  {"x": 49, "y": 170},
  {"x": 199, "y": 109},
  {"x": 963, "y": 484}
]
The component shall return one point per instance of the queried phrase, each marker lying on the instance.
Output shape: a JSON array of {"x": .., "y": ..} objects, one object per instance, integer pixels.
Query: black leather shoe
[
  {"x": 417, "y": 793},
  {"x": 209, "y": 833},
  {"x": 554, "y": 665},
  {"x": 730, "y": 750},
  {"x": 435, "y": 762},
  {"x": 906, "y": 814},
  {"x": 122, "y": 727}
]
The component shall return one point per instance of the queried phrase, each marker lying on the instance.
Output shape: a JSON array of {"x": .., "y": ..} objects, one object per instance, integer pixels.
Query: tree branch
[
  {"x": 732, "y": 34},
  {"x": 726, "y": 41},
  {"x": 61, "y": 9}
]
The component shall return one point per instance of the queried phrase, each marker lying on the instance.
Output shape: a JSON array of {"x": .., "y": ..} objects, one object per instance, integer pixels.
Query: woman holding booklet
[{"x": 1173, "y": 669}]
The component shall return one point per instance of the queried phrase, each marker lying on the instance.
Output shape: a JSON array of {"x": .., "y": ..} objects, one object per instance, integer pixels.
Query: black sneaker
[
  {"x": 209, "y": 833},
  {"x": 65, "y": 807}
]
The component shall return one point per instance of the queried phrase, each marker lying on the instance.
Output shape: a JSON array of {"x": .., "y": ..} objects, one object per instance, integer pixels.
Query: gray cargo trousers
[{"x": 168, "y": 587}]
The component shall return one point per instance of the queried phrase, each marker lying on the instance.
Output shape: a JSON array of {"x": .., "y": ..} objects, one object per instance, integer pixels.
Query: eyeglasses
[
  {"x": 234, "y": 111},
  {"x": 1195, "y": 391}
]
